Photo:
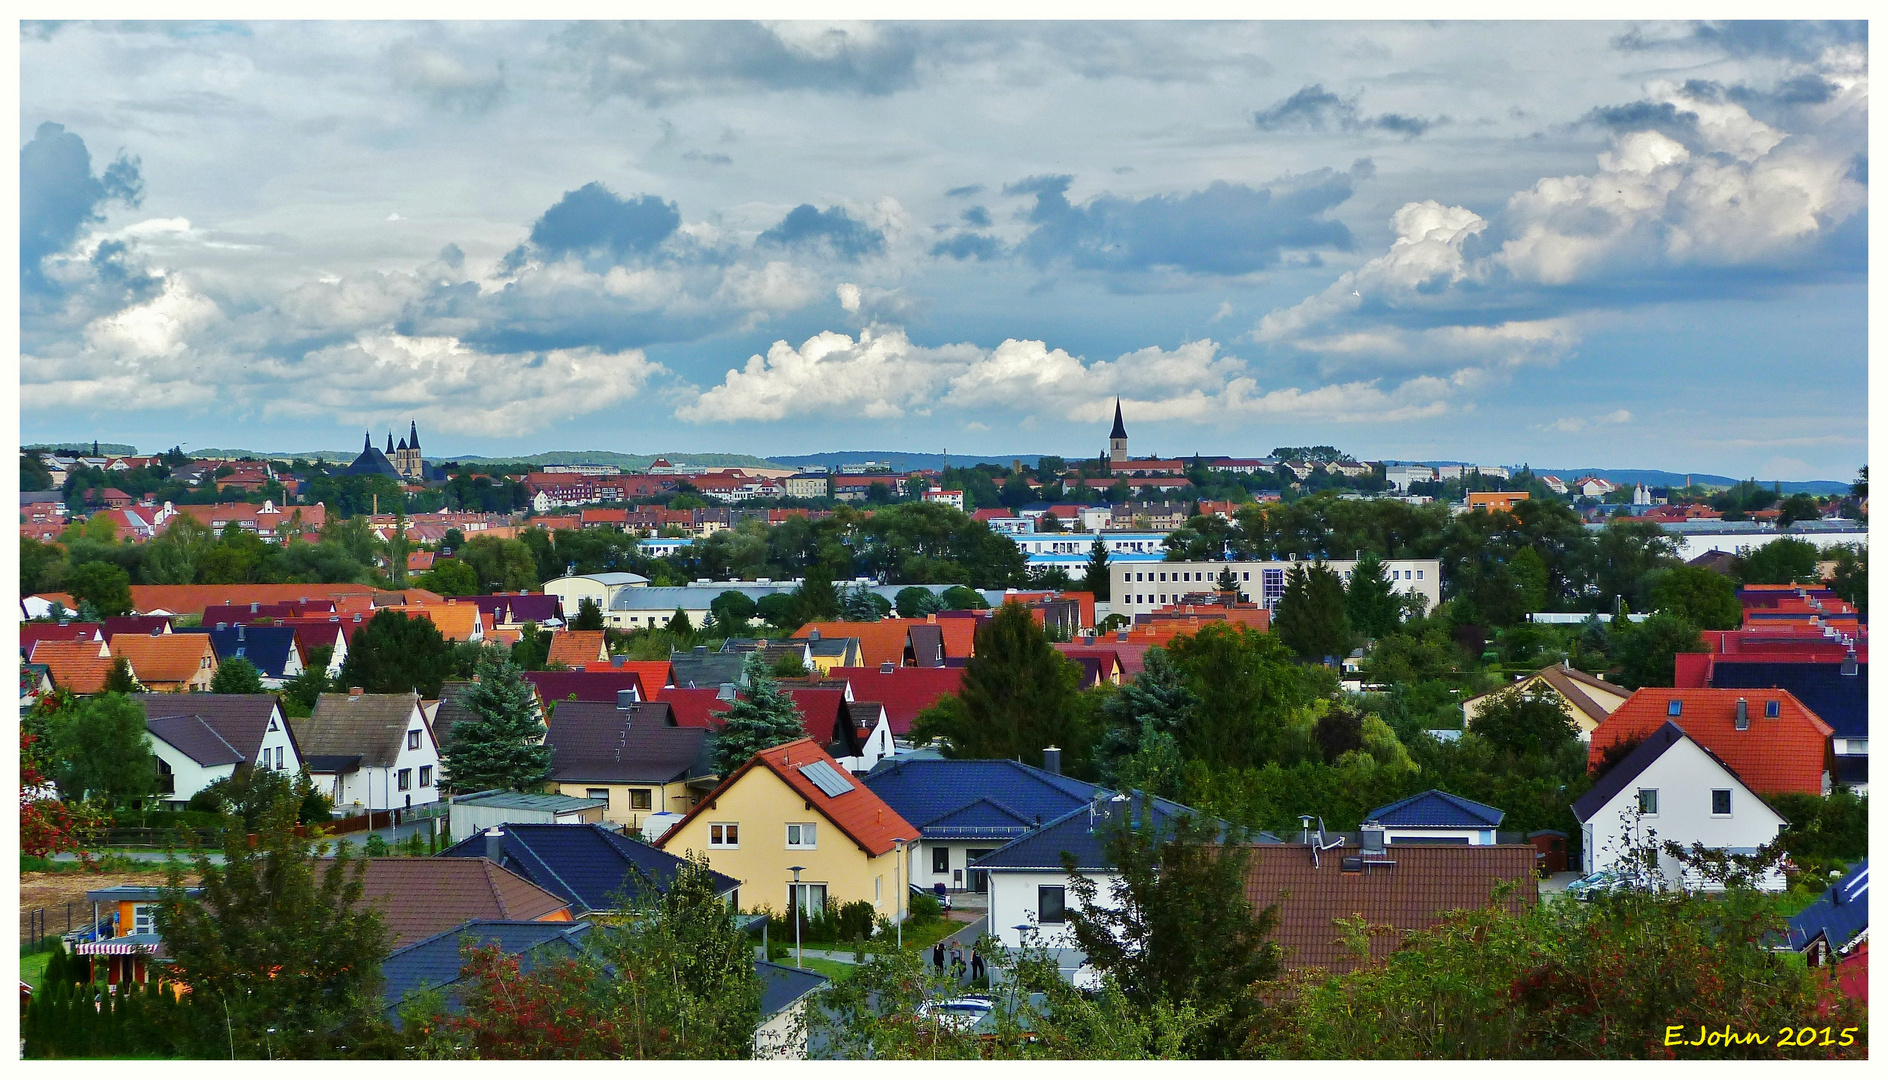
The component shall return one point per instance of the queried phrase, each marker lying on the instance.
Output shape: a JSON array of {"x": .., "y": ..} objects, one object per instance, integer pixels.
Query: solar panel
[{"x": 826, "y": 778}]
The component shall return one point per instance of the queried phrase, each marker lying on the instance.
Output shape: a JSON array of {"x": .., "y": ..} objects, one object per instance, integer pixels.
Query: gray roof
[
  {"x": 609, "y": 577},
  {"x": 451, "y": 711},
  {"x": 597, "y": 741},
  {"x": 517, "y": 800},
  {"x": 704, "y": 670},
  {"x": 371, "y": 725},
  {"x": 198, "y": 723},
  {"x": 698, "y": 597},
  {"x": 29, "y": 498}
]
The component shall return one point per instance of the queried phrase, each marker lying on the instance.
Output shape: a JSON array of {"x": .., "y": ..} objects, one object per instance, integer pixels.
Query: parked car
[
  {"x": 958, "y": 1014},
  {"x": 1595, "y": 884}
]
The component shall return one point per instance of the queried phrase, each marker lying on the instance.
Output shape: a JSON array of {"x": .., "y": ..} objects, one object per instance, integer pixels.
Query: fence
[{"x": 36, "y": 925}]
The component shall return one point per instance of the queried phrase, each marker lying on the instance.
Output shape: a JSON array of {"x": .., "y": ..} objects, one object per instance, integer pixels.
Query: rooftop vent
[
  {"x": 625, "y": 698},
  {"x": 886, "y": 667},
  {"x": 1372, "y": 838}
]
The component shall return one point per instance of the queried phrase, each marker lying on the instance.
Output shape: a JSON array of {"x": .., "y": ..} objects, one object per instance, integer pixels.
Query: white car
[{"x": 958, "y": 1014}]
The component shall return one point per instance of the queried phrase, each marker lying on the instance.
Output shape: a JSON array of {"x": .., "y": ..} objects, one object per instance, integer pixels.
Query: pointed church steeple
[
  {"x": 1120, "y": 430},
  {"x": 413, "y": 435},
  {"x": 389, "y": 442},
  {"x": 403, "y": 446},
  {"x": 1118, "y": 439},
  {"x": 367, "y": 443}
]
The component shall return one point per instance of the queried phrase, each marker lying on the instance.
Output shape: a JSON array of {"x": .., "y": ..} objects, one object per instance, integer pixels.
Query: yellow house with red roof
[{"x": 792, "y": 805}]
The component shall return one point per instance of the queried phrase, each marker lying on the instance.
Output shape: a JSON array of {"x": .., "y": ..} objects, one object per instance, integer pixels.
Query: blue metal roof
[
  {"x": 1437, "y": 809},
  {"x": 975, "y": 799},
  {"x": 1838, "y": 915},
  {"x": 267, "y": 647},
  {"x": 436, "y": 961},
  {"x": 587, "y": 865},
  {"x": 1083, "y": 834},
  {"x": 781, "y": 986},
  {"x": 1841, "y": 700}
]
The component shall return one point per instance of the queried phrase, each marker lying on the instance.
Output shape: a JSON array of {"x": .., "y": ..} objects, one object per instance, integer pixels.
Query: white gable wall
[{"x": 1684, "y": 777}]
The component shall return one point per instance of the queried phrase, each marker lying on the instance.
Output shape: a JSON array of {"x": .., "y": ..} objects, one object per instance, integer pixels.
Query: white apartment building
[{"x": 1139, "y": 588}]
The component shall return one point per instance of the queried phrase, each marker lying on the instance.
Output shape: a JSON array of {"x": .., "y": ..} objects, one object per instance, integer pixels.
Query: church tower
[
  {"x": 1118, "y": 439},
  {"x": 408, "y": 461}
]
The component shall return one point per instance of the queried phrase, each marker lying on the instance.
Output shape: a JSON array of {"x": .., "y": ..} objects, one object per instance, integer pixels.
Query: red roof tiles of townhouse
[
  {"x": 34, "y": 632},
  {"x": 1785, "y": 753},
  {"x": 578, "y": 649},
  {"x": 164, "y": 659},
  {"x": 77, "y": 666},
  {"x": 695, "y": 708},
  {"x": 858, "y": 812},
  {"x": 881, "y": 642},
  {"x": 595, "y": 685},
  {"x": 905, "y": 692},
  {"x": 193, "y": 599}
]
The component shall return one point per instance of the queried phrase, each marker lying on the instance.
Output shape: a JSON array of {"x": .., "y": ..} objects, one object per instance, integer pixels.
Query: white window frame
[
  {"x": 802, "y": 836},
  {"x": 1654, "y": 792},
  {"x": 144, "y": 918},
  {"x": 725, "y": 835},
  {"x": 1728, "y": 802},
  {"x": 598, "y": 793}
]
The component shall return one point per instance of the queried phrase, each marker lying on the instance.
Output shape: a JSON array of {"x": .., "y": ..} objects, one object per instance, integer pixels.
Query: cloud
[
  {"x": 832, "y": 229},
  {"x": 659, "y": 62},
  {"x": 446, "y": 82},
  {"x": 883, "y": 375},
  {"x": 59, "y": 196},
  {"x": 1793, "y": 40},
  {"x": 977, "y": 216},
  {"x": 1316, "y": 109},
  {"x": 965, "y": 192},
  {"x": 1225, "y": 229},
  {"x": 595, "y": 221},
  {"x": 1572, "y": 424},
  {"x": 969, "y": 245}
]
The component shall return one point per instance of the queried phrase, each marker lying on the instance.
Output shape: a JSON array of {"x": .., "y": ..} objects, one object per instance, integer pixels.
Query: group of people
[{"x": 956, "y": 961}]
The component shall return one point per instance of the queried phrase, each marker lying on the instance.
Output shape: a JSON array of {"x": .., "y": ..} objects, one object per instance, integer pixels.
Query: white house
[
  {"x": 199, "y": 739},
  {"x": 599, "y": 589},
  {"x": 370, "y": 751},
  {"x": 1139, "y": 588},
  {"x": 877, "y": 743},
  {"x": 1672, "y": 789}
]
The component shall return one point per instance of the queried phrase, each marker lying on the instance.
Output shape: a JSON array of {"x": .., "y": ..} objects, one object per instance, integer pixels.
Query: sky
[{"x": 1613, "y": 245}]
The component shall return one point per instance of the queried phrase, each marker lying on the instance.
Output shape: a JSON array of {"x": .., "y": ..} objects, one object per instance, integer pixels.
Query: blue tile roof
[
  {"x": 781, "y": 986},
  {"x": 267, "y": 647},
  {"x": 975, "y": 799},
  {"x": 1838, "y": 915},
  {"x": 1437, "y": 809},
  {"x": 436, "y": 961},
  {"x": 587, "y": 865},
  {"x": 1841, "y": 700},
  {"x": 1083, "y": 834}
]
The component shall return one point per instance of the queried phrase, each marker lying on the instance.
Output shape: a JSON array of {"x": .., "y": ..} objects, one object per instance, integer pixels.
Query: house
[
  {"x": 124, "y": 934},
  {"x": 1494, "y": 500},
  {"x": 1585, "y": 698},
  {"x": 1673, "y": 786},
  {"x": 32, "y": 633},
  {"x": 631, "y": 756},
  {"x": 512, "y": 610},
  {"x": 599, "y": 589},
  {"x": 903, "y": 691},
  {"x": 483, "y": 810},
  {"x": 136, "y": 624},
  {"x": 330, "y": 632},
  {"x": 436, "y": 962},
  {"x": 793, "y": 806},
  {"x": 826, "y": 652},
  {"x": 1834, "y": 931},
  {"x": 1766, "y": 736},
  {"x": 1435, "y": 817},
  {"x": 1029, "y": 881},
  {"x": 173, "y": 663},
  {"x": 200, "y": 739},
  {"x": 578, "y": 649},
  {"x": 785, "y": 991},
  {"x": 966, "y": 809},
  {"x": 589, "y": 685},
  {"x": 79, "y": 667},
  {"x": 272, "y": 649},
  {"x": 417, "y": 898},
  {"x": 1592, "y": 487},
  {"x": 370, "y": 751},
  {"x": 1401, "y": 888},
  {"x": 589, "y": 867},
  {"x": 456, "y": 621}
]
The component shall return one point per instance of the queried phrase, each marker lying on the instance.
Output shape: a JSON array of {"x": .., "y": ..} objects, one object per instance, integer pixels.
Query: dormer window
[
  {"x": 1773, "y": 709},
  {"x": 1674, "y": 707}
]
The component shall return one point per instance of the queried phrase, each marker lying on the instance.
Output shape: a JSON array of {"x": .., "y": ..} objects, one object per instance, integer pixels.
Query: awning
[{"x": 120, "y": 947}]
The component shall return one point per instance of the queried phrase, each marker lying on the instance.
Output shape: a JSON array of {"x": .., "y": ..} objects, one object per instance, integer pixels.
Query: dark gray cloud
[
  {"x": 969, "y": 246},
  {"x": 659, "y": 62},
  {"x": 59, "y": 196},
  {"x": 977, "y": 216},
  {"x": 1224, "y": 229},
  {"x": 595, "y": 222},
  {"x": 1316, "y": 109},
  {"x": 807, "y": 226},
  {"x": 1793, "y": 40},
  {"x": 965, "y": 192}
]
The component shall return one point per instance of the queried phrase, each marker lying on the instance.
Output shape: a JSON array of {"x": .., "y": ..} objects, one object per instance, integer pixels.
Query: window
[
  {"x": 413, "y": 740},
  {"x": 1248, "y": 575},
  {"x": 1720, "y": 802},
  {"x": 1648, "y": 800},
  {"x": 725, "y": 835},
  {"x": 1051, "y": 904},
  {"x": 406, "y": 779},
  {"x": 278, "y": 757},
  {"x": 598, "y": 793},
  {"x": 639, "y": 799},
  {"x": 940, "y": 860},
  {"x": 144, "y": 918},
  {"x": 1419, "y": 575},
  {"x": 1772, "y": 709},
  {"x": 811, "y": 898},
  {"x": 426, "y": 776},
  {"x": 1674, "y": 707},
  {"x": 800, "y": 835}
]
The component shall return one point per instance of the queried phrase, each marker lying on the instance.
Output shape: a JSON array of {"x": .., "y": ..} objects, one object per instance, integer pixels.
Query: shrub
[{"x": 925, "y": 908}]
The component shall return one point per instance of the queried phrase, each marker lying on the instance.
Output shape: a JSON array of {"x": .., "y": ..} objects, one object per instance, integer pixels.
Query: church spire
[
  {"x": 367, "y": 442},
  {"x": 1120, "y": 430},
  {"x": 413, "y": 435},
  {"x": 389, "y": 442}
]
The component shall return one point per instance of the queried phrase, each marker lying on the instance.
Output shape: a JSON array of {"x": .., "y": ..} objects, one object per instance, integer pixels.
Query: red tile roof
[
  {"x": 1786, "y": 753},
  {"x": 693, "y": 707},
  {"x": 905, "y": 691},
  {"x": 578, "y": 648},
  {"x": 77, "y": 666},
  {"x": 860, "y": 814},
  {"x": 34, "y": 632}
]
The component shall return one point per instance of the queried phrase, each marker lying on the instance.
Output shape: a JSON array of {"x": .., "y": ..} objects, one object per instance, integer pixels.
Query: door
[{"x": 979, "y": 880}]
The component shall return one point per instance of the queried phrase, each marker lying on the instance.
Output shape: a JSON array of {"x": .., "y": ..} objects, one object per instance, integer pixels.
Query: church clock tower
[{"x": 1118, "y": 439}]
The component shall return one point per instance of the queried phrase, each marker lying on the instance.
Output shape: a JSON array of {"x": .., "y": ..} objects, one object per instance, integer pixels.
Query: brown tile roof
[
  {"x": 418, "y": 897},
  {"x": 371, "y": 725},
  {"x": 194, "y": 598},
  {"x": 1427, "y": 881},
  {"x": 859, "y": 813},
  {"x": 594, "y": 740},
  {"x": 78, "y": 666},
  {"x": 166, "y": 658},
  {"x": 578, "y": 648},
  {"x": 238, "y": 720},
  {"x": 1581, "y": 690}
]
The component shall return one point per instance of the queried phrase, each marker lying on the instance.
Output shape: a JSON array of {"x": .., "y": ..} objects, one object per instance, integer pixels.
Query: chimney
[
  {"x": 1372, "y": 838},
  {"x": 354, "y": 691},
  {"x": 625, "y": 698},
  {"x": 1304, "y": 828},
  {"x": 701, "y": 650},
  {"x": 886, "y": 667},
  {"x": 222, "y": 626},
  {"x": 1743, "y": 715},
  {"x": 1052, "y": 759},
  {"x": 813, "y": 634},
  {"x": 1848, "y": 664},
  {"x": 495, "y": 844}
]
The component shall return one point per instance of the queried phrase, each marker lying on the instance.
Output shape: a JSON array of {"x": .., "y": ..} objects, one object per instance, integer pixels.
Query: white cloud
[{"x": 1572, "y": 424}]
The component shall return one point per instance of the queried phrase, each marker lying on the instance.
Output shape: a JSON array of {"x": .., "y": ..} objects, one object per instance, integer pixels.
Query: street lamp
[
  {"x": 898, "y": 904},
  {"x": 799, "y": 956}
]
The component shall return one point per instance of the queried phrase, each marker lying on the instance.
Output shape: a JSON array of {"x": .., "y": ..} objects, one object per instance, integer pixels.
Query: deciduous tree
[
  {"x": 394, "y": 654},
  {"x": 1018, "y": 696}
]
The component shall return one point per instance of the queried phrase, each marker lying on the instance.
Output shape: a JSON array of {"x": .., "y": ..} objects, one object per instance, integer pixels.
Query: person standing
[
  {"x": 977, "y": 970},
  {"x": 957, "y": 962},
  {"x": 937, "y": 957}
]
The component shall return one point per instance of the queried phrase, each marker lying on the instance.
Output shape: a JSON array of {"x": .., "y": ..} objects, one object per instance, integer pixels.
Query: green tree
[
  {"x": 300, "y": 693},
  {"x": 236, "y": 676},
  {"x": 1798, "y": 507},
  {"x": 764, "y": 717},
  {"x": 1645, "y": 651},
  {"x": 589, "y": 615},
  {"x": 1783, "y": 561},
  {"x": 100, "y": 749},
  {"x": 1142, "y": 725},
  {"x": 179, "y": 554},
  {"x": 815, "y": 599},
  {"x": 34, "y": 475},
  {"x": 680, "y": 626},
  {"x": 1528, "y": 571},
  {"x": 861, "y": 604},
  {"x": 960, "y": 598},
  {"x": 120, "y": 680},
  {"x": 502, "y": 744},
  {"x": 1250, "y": 693},
  {"x": 394, "y": 654},
  {"x": 1096, "y": 579},
  {"x": 1702, "y": 597},
  {"x": 1176, "y": 925},
  {"x": 105, "y": 586},
  {"x": 733, "y": 610},
  {"x": 1371, "y": 602},
  {"x": 1850, "y": 580},
  {"x": 1535, "y": 722},
  {"x": 1018, "y": 696},
  {"x": 248, "y": 793},
  {"x": 501, "y": 564},
  {"x": 915, "y": 602},
  {"x": 281, "y": 954},
  {"x": 1310, "y": 616},
  {"x": 42, "y": 566},
  {"x": 450, "y": 577}
]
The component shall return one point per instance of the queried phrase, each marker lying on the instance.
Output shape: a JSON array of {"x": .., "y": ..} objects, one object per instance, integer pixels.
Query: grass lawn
[
  {"x": 922, "y": 935},
  {"x": 34, "y": 966},
  {"x": 832, "y": 969}
]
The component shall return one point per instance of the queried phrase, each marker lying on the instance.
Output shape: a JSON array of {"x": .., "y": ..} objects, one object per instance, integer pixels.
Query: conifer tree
[
  {"x": 503, "y": 744},
  {"x": 1371, "y": 602},
  {"x": 119, "y": 679},
  {"x": 765, "y": 717},
  {"x": 1310, "y": 616},
  {"x": 1018, "y": 697}
]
